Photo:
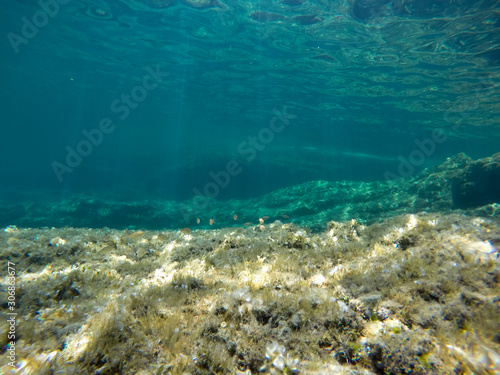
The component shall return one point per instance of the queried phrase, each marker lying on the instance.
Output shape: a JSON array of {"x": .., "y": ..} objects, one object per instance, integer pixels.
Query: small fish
[
  {"x": 162, "y": 237},
  {"x": 107, "y": 248},
  {"x": 198, "y": 220},
  {"x": 186, "y": 230},
  {"x": 135, "y": 235},
  {"x": 285, "y": 216},
  {"x": 235, "y": 217},
  {"x": 247, "y": 224},
  {"x": 262, "y": 227},
  {"x": 261, "y": 220},
  {"x": 211, "y": 221},
  {"x": 265, "y": 217}
]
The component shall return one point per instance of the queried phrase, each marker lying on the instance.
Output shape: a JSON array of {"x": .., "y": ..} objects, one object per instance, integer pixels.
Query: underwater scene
[{"x": 250, "y": 187}]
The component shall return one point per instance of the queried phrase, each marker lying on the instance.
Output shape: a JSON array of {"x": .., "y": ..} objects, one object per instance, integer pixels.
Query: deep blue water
[{"x": 161, "y": 98}]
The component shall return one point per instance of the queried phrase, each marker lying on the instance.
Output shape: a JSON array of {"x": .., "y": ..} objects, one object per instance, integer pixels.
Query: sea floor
[
  {"x": 458, "y": 183},
  {"x": 413, "y": 294}
]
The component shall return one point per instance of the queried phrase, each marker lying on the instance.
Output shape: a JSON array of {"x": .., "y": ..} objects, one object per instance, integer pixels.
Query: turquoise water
[{"x": 164, "y": 100}]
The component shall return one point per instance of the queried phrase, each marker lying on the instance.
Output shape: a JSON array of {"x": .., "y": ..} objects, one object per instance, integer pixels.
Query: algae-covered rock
[
  {"x": 478, "y": 184},
  {"x": 310, "y": 204},
  {"x": 352, "y": 298}
]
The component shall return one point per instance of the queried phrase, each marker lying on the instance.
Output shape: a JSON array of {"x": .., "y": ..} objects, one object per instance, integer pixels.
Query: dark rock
[
  {"x": 262, "y": 314},
  {"x": 231, "y": 347},
  {"x": 478, "y": 184},
  {"x": 431, "y": 292},
  {"x": 220, "y": 310},
  {"x": 404, "y": 243}
]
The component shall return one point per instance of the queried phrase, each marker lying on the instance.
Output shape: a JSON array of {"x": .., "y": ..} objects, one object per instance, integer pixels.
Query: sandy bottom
[{"x": 414, "y": 294}]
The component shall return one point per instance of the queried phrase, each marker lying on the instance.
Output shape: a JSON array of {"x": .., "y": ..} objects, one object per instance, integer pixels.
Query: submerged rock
[
  {"x": 310, "y": 204},
  {"x": 478, "y": 184}
]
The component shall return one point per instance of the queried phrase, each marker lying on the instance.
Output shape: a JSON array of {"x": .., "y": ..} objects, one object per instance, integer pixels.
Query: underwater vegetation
[
  {"x": 416, "y": 293},
  {"x": 149, "y": 258}
]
